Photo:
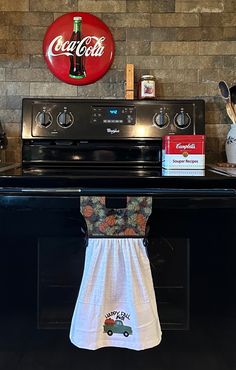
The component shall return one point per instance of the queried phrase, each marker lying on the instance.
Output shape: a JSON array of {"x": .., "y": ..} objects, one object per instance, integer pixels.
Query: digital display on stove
[
  {"x": 113, "y": 111},
  {"x": 113, "y": 114}
]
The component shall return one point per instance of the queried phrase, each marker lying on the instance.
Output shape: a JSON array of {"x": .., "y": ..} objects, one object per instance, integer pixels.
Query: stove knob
[
  {"x": 44, "y": 119},
  {"x": 161, "y": 119},
  {"x": 65, "y": 119},
  {"x": 182, "y": 120}
]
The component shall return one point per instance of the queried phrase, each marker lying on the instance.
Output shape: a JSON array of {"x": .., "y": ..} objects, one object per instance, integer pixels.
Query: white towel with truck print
[{"x": 116, "y": 305}]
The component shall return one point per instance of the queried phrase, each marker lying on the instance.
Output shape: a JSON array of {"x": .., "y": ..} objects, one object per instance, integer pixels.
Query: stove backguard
[{"x": 105, "y": 132}]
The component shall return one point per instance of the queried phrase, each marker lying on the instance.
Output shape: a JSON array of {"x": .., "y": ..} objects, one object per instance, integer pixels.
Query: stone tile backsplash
[{"x": 188, "y": 45}]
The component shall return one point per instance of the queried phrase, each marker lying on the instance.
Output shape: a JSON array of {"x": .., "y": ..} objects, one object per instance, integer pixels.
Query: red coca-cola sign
[{"x": 78, "y": 48}]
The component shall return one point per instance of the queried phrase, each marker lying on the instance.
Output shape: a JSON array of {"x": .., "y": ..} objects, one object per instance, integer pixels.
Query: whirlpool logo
[{"x": 113, "y": 131}]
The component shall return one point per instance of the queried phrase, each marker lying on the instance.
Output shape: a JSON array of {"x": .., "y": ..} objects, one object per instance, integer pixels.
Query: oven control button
[
  {"x": 161, "y": 120},
  {"x": 44, "y": 118},
  {"x": 65, "y": 119},
  {"x": 182, "y": 120}
]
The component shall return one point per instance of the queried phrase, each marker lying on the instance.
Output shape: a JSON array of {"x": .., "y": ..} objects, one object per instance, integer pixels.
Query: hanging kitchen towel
[{"x": 116, "y": 305}]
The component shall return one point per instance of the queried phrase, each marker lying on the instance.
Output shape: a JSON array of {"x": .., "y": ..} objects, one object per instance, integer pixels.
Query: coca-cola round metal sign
[{"x": 78, "y": 48}]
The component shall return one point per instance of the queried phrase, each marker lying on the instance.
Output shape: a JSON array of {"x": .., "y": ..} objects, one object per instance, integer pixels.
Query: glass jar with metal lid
[{"x": 147, "y": 87}]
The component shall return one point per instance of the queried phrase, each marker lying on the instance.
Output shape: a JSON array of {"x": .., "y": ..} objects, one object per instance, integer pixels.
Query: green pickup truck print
[{"x": 117, "y": 327}]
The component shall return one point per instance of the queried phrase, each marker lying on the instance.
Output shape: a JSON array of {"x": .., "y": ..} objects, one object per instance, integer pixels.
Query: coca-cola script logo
[
  {"x": 185, "y": 146},
  {"x": 83, "y": 47},
  {"x": 78, "y": 48}
]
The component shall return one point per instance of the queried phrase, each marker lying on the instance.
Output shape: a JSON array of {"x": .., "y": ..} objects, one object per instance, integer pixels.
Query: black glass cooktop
[
  {"x": 11, "y": 170},
  {"x": 104, "y": 172}
]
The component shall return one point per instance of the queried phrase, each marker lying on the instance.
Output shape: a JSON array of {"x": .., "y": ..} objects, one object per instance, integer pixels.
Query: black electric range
[
  {"x": 102, "y": 139},
  {"x": 69, "y": 149}
]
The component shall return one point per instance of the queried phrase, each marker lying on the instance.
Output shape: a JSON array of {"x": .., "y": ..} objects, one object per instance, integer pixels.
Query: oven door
[{"x": 41, "y": 248}]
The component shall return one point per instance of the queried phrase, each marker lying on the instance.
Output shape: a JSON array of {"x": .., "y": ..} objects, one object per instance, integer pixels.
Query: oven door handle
[
  {"x": 168, "y": 192},
  {"x": 40, "y": 191}
]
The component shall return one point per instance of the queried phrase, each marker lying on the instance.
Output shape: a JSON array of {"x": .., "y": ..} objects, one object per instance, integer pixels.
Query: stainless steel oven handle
[
  {"x": 215, "y": 192},
  {"x": 16, "y": 190},
  {"x": 51, "y": 190}
]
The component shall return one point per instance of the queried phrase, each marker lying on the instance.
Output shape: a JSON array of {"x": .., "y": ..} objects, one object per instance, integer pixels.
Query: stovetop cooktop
[{"x": 17, "y": 170}]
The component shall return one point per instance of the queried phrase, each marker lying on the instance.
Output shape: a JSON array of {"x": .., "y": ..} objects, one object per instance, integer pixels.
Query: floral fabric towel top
[{"x": 129, "y": 221}]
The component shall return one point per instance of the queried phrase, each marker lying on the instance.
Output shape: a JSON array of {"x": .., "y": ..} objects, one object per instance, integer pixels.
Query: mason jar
[{"x": 147, "y": 87}]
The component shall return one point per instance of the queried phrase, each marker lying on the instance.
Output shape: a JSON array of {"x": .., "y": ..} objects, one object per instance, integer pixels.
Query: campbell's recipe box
[{"x": 183, "y": 152}]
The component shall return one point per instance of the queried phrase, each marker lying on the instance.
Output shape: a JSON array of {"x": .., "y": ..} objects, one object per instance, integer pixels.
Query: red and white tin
[{"x": 183, "y": 152}]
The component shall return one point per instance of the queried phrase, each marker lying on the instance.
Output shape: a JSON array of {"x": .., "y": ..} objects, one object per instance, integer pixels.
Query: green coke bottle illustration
[{"x": 77, "y": 69}]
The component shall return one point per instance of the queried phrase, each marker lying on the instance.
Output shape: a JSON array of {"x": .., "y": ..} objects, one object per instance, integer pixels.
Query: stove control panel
[{"x": 110, "y": 119}]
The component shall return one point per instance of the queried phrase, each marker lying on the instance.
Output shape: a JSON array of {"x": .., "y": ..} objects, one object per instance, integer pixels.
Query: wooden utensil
[
  {"x": 230, "y": 113},
  {"x": 129, "y": 78},
  {"x": 225, "y": 93},
  {"x": 232, "y": 91}
]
